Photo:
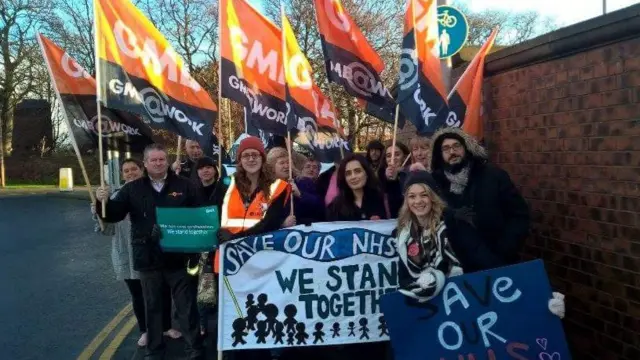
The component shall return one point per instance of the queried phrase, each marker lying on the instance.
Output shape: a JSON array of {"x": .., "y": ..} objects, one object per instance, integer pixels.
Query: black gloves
[
  {"x": 156, "y": 233},
  {"x": 464, "y": 213},
  {"x": 224, "y": 236}
]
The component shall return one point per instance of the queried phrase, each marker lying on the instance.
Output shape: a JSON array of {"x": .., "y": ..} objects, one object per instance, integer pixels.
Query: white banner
[{"x": 307, "y": 285}]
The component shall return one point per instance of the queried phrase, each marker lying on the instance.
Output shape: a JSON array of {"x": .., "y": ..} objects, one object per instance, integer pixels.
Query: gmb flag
[
  {"x": 138, "y": 71},
  {"x": 465, "y": 100},
  {"x": 349, "y": 58},
  {"x": 310, "y": 118},
  {"x": 77, "y": 94},
  {"x": 386, "y": 112},
  {"x": 421, "y": 92},
  {"x": 251, "y": 65}
]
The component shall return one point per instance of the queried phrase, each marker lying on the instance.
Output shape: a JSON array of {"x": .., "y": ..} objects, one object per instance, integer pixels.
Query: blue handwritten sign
[{"x": 496, "y": 314}]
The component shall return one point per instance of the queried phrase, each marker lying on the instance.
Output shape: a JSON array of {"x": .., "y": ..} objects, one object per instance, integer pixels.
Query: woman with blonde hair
[
  {"x": 426, "y": 255},
  {"x": 420, "y": 147},
  {"x": 307, "y": 204},
  {"x": 435, "y": 243}
]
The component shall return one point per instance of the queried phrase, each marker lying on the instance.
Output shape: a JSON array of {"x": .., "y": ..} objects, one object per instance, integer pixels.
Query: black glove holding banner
[
  {"x": 464, "y": 213},
  {"x": 224, "y": 236},
  {"x": 156, "y": 234}
]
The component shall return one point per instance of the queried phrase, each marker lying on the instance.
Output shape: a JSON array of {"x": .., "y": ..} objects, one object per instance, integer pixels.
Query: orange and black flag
[
  {"x": 121, "y": 131},
  {"x": 311, "y": 117},
  {"x": 138, "y": 71},
  {"x": 251, "y": 65},
  {"x": 349, "y": 58},
  {"x": 465, "y": 100},
  {"x": 421, "y": 90}
]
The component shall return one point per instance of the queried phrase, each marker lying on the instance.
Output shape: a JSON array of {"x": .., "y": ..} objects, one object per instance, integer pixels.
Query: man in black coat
[
  {"x": 139, "y": 199},
  {"x": 187, "y": 167},
  {"x": 468, "y": 181}
]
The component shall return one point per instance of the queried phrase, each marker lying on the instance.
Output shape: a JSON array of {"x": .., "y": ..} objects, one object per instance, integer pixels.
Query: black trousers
[
  {"x": 137, "y": 300},
  {"x": 181, "y": 285}
]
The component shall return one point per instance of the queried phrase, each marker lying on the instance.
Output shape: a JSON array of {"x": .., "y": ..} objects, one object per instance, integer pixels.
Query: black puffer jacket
[
  {"x": 502, "y": 215},
  {"x": 139, "y": 199}
]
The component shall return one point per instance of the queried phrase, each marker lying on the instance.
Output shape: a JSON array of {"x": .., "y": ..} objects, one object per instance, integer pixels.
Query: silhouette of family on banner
[{"x": 296, "y": 332}]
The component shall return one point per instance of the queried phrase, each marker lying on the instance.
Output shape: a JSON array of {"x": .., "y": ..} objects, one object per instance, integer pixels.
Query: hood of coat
[{"x": 472, "y": 146}]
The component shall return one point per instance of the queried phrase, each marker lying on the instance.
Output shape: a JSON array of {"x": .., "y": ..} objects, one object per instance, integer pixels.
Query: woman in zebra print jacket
[
  {"x": 434, "y": 243},
  {"x": 424, "y": 250}
]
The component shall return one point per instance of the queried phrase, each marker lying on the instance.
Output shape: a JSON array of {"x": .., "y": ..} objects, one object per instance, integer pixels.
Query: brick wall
[
  {"x": 562, "y": 116},
  {"x": 568, "y": 132}
]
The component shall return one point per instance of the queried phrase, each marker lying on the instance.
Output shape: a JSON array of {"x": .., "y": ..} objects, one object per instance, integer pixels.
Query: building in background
[{"x": 32, "y": 128}]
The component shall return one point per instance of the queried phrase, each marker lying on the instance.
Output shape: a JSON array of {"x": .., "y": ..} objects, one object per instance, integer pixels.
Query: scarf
[
  {"x": 458, "y": 180},
  {"x": 430, "y": 277},
  {"x": 332, "y": 190}
]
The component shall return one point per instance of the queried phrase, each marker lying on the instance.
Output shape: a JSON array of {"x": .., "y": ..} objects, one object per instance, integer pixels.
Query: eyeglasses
[
  {"x": 454, "y": 147},
  {"x": 253, "y": 156}
]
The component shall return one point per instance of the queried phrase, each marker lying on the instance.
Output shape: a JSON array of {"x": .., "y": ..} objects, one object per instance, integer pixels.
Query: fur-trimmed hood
[{"x": 471, "y": 144}]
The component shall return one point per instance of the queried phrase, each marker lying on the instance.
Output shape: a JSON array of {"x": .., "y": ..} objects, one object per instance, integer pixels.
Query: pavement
[
  {"x": 63, "y": 301},
  {"x": 59, "y": 289}
]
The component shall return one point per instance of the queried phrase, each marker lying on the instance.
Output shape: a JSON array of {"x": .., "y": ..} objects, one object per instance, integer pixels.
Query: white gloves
[
  {"x": 556, "y": 305},
  {"x": 427, "y": 286}
]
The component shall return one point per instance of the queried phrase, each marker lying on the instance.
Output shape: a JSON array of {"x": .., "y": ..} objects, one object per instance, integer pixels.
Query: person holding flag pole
[
  {"x": 287, "y": 75},
  {"x": 99, "y": 107}
]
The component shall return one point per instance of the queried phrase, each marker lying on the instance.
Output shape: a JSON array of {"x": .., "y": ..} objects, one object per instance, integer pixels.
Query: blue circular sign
[{"x": 453, "y": 31}]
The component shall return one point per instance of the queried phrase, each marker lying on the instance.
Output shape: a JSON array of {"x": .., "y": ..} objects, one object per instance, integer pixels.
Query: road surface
[{"x": 57, "y": 283}]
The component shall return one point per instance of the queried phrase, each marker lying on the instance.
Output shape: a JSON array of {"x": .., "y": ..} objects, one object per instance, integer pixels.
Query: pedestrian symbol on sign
[{"x": 453, "y": 31}]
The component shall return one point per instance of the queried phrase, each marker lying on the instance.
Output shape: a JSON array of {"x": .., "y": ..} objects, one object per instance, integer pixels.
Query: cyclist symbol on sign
[
  {"x": 453, "y": 30},
  {"x": 446, "y": 20}
]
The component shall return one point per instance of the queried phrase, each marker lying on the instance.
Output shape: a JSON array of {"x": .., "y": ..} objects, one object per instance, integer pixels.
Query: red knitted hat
[{"x": 250, "y": 142}]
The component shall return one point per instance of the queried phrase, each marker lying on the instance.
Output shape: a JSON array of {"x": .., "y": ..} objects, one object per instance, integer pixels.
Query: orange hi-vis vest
[{"x": 235, "y": 217}]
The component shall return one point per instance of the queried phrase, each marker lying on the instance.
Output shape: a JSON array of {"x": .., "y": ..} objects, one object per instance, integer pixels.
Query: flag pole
[
  {"x": 333, "y": 100},
  {"x": 98, "y": 100},
  {"x": 335, "y": 117},
  {"x": 229, "y": 122},
  {"x": 220, "y": 9},
  {"x": 284, "y": 57},
  {"x": 76, "y": 149},
  {"x": 290, "y": 146},
  {"x": 217, "y": 254},
  {"x": 179, "y": 148},
  {"x": 395, "y": 120},
  {"x": 395, "y": 134}
]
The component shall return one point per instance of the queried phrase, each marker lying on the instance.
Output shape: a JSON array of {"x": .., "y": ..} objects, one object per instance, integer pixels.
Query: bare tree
[
  {"x": 380, "y": 22},
  {"x": 45, "y": 91},
  {"x": 72, "y": 29},
  {"x": 515, "y": 27},
  {"x": 191, "y": 26},
  {"x": 19, "y": 20}
]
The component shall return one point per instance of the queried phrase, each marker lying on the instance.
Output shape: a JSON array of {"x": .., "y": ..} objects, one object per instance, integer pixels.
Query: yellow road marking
[
  {"x": 102, "y": 335},
  {"x": 113, "y": 346}
]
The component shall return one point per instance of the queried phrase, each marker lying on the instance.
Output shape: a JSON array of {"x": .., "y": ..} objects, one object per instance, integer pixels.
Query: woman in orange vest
[{"x": 254, "y": 203}]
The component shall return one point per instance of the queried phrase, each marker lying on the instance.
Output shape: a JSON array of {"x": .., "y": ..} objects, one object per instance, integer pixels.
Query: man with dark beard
[{"x": 471, "y": 185}]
